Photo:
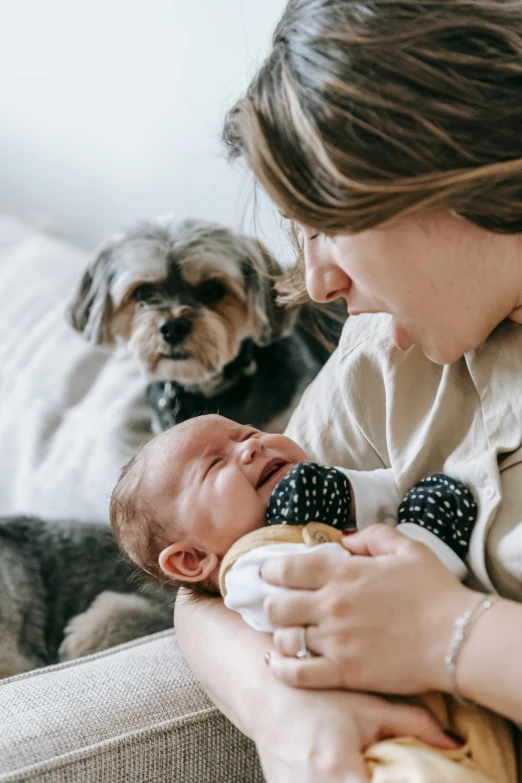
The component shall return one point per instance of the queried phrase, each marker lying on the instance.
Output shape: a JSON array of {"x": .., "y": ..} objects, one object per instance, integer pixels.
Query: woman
[{"x": 391, "y": 134}]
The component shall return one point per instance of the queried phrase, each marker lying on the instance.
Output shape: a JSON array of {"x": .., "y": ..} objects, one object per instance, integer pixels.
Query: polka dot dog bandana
[
  {"x": 311, "y": 493},
  {"x": 443, "y": 506}
]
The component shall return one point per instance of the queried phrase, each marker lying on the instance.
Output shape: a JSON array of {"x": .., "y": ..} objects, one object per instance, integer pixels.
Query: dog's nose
[{"x": 174, "y": 330}]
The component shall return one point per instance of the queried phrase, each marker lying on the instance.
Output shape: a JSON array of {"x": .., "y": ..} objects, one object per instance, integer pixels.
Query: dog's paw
[{"x": 111, "y": 619}]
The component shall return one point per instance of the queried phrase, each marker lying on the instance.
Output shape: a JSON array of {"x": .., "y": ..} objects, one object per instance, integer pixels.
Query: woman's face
[{"x": 433, "y": 273}]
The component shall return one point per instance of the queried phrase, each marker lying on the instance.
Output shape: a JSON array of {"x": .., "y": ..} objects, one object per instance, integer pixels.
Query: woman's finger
[
  {"x": 403, "y": 720},
  {"x": 376, "y": 540},
  {"x": 314, "y": 673},
  {"x": 301, "y": 572},
  {"x": 292, "y": 608},
  {"x": 287, "y": 641}
]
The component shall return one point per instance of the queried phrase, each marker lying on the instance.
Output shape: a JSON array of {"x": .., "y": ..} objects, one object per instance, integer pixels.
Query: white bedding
[{"x": 70, "y": 414}]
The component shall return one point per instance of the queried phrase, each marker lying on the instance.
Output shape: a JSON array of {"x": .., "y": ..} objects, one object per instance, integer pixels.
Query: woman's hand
[
  {"x": 302, "y": 736},
  {"x": 380, "y": 621},
  {"x": 314, "y": 736}
]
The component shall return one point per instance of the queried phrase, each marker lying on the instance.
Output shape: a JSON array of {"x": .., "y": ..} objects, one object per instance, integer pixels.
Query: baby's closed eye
[{"x": 212, "y": 464}]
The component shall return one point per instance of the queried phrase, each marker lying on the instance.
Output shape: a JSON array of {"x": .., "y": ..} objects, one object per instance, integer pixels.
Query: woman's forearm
[
  {"x": 301, "y": 736},
  {"x": 490, "y": 665},
  {"x": 226, "y": 656}
]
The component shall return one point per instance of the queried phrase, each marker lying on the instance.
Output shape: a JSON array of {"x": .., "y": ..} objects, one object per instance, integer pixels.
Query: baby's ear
[{"x": 188, "y": 563}]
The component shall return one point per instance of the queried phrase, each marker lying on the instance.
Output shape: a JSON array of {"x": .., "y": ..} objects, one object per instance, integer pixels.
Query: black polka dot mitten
[
  {"x": 311, "y": 493},
  {"x": 444, "y": 507}
]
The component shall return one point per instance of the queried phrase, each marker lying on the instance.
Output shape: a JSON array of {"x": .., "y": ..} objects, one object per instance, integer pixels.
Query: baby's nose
[{"x": 249, "y": 448}]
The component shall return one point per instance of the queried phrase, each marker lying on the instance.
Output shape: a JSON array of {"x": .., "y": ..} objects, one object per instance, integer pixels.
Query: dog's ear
[
  {"x": 270, "y": 321},
  {"x": 91, "y": 307}
]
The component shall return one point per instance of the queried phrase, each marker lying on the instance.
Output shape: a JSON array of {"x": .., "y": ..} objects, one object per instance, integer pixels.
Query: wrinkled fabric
[
  {"x": 373, "y": 406},
  {"x": 486, "y": 757}
]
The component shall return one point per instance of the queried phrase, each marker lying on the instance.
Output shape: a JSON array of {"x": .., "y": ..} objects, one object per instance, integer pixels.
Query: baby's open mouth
[{"x": 269, "y": 471}]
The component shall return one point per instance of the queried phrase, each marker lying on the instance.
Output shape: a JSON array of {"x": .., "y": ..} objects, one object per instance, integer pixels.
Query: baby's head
[{"x": 191, "y": 492}]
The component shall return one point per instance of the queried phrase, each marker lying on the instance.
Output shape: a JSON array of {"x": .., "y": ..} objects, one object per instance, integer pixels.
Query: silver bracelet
[{"x": 463, "y": 626}]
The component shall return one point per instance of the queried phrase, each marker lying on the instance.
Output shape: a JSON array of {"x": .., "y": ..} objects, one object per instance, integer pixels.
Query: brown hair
[
  {"x": 137, "y": 530},
  {"x": 369, "y": 109}
]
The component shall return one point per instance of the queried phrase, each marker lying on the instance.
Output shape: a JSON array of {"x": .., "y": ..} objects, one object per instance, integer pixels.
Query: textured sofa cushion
[
  {"x": 131, "y": 714},
  {"x": 70, "y": 414}
]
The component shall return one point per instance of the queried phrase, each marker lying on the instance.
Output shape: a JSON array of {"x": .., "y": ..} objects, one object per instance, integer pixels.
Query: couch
[{"x": 70, "y": 417}]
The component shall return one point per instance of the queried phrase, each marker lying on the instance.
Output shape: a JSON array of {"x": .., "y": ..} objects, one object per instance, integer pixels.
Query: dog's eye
[
  {"x": 144, "y": 292},
  {"x": 210, "y": 292}
]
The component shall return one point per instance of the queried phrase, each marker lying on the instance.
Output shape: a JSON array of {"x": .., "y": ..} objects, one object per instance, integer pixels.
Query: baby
[
  {"x": 206, "y": 502},
  {"x": 199, "y": 504}
]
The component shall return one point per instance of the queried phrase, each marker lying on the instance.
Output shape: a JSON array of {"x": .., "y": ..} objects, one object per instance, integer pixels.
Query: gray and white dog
[
  {"x": 65, "y": 591},
  {"x": 196, "y": 305}
]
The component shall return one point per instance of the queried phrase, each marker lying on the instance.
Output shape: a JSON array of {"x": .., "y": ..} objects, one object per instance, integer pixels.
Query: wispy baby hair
[
  {"x": 133, "y": 519},
  {"x": 136, "y": 525}
]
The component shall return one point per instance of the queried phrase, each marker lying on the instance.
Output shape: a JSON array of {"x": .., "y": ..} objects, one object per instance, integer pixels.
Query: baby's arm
[
  {"x": 439, "y": 512},
  {"x": 375, "y": 496},
  {"x": 320, "y": 493}
]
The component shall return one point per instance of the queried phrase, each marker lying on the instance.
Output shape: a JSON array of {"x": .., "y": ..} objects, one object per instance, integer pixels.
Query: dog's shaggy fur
[
  {"x": 196, "y": 306},
  {"x": 65, "y": 591}
]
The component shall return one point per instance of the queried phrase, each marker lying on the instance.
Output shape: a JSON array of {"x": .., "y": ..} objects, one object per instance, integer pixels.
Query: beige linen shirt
[{"x": 373, "y": 406}]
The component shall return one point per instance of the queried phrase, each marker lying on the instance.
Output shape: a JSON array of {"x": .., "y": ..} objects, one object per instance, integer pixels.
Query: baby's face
[{"x": 215, "y": 478}]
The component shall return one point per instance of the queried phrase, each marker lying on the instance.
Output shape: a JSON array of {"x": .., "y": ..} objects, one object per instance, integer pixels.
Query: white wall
[{"x": 111, "y": 110}]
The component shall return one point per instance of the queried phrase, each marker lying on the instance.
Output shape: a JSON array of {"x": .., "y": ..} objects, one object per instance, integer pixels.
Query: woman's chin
[{"x": 443, "y": 355}]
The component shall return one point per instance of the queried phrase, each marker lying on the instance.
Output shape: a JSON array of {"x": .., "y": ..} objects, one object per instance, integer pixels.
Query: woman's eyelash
[{"x": 320, "y": 234}]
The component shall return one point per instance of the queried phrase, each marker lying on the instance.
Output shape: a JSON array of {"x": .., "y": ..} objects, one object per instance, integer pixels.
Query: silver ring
[{"x": 304, "y": 652}]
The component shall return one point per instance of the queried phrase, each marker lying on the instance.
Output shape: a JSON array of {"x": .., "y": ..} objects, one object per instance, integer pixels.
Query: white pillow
[{"x": 70, "y": 415}]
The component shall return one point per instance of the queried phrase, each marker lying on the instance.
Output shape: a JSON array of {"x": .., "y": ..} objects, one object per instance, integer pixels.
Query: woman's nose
[
  {"x": 326, "y": 282},
  {"x": 325, "y": 279}
]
